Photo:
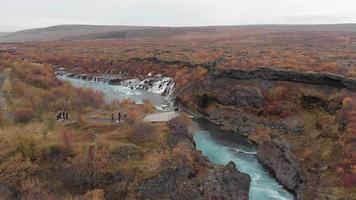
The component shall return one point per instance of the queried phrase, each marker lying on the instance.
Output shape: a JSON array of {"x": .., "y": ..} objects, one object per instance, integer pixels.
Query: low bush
[
  {"x": 141, "y": 132},
  {"x": 23, "y": 115},
  {"x": 56, "y": 153},
  {"x": 280, "y": 108},
  {"x": 28, "y": 147},
  {"x": 87, "y": 170},
  {"x": 33, "y": 189},
  {"x": 126, "y": 152},
  {"x": 1, "y": 118},
  {"x": 133, "y": 116},
  {"x": 16, "y": 169}
]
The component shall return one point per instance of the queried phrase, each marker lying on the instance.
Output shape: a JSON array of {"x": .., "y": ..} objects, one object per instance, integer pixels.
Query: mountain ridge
[{"x": 87, "y": 32}]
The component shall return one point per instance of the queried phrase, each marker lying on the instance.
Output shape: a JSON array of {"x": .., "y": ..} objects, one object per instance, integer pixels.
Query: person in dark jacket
[
  {"x": 119, "y": 116},
  {"x": 58, "y": 115}
]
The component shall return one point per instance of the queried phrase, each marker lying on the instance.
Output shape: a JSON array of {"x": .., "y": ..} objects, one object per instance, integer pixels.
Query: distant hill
[
  {"x": 87, "y": 32},
  {"x": 3, "y": 34}
]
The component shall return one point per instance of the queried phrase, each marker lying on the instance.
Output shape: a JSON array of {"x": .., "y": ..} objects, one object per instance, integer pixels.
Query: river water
[{"x": 220, "y": 147}]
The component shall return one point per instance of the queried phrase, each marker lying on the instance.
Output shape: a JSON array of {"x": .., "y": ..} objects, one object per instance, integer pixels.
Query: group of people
[
  {"x": 62, "y": 115},
  {"x": 118, "y": 117}
]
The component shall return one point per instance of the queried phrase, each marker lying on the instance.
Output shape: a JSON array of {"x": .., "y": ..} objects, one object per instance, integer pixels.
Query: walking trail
[
  {"x": 161, "y": 117},
  {"x": 3, "y": 77}
]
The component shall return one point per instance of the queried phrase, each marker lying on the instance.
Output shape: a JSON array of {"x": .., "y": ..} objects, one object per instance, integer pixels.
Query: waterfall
[
  {"x": 152, "y": 83},
  {"x": 170, "y": 95}
]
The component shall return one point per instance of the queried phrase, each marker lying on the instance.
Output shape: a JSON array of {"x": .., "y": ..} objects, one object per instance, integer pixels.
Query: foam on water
[
  {"x": 117, "y": 92},
  {"x": 263, "y": 186}
]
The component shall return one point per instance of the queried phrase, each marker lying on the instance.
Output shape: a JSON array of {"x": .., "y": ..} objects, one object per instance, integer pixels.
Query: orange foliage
[{"x": 348, "y": 163}]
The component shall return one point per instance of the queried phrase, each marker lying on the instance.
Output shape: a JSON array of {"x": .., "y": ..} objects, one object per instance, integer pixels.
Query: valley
[{"x": 277, "y": 101}]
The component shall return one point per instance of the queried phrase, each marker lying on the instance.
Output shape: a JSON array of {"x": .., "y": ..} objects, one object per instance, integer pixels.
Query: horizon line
[{"x": 186, "y": 26}]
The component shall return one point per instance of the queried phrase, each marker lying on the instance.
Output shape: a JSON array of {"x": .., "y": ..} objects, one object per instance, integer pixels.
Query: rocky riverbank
[
  {"x": 304, "y": 110},
  {"x": 195, "y": 177}
]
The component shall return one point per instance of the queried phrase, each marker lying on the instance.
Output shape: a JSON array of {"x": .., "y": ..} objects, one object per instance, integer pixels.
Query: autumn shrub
[
  {"x": 279, "y": 108},
  {"x": 50, "y": 123},
  {"x": 347, "y": 165},
  {"x": 1, "y": 118},
  {"x": 87, "y": 170},
  {"x": 125, "y": 152},
  {"x": 28, "y": 147},
  {"x": 35, "y": 74},
  {"x": 6, "y": 192},
  {"x": 127, "y": 102},
  {"x": 147, "y": 107},
  {"x": 35, "y": 87},
  {"x": 23, "y": 115},
  {"x": 66, "y": 139},
  {"x": 349, "y": 180},
  {"x": 141, "y": 132},
  {"x": 34, "y": 189},
  {"x": 16, "y": 169},
  {"x": 133, "y": 116},
  {"x": 260, "y": 135},
  {"x": 56, "y": 153},
  {"x": 86, "y": 97},
  {"x": 96, "y": 194},
  {"x": 328, "y": 125}
]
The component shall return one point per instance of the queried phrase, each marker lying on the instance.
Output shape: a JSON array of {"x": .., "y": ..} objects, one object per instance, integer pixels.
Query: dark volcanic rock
[
  {"x": 266, "y": 73},
  {"x": 238, "y": 122},
  {"x": 172, "y": 183},
  {"x": 277, "y": 157},
  {"x": 226, "y": 92},
  {"x": 182, "y": 183},
  {"x": 292, "y": 125},
  {"x": 226, "y": 183}
]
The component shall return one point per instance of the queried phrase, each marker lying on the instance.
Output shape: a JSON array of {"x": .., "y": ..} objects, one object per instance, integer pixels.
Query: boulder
[
  {"x": 226, "y": 183},
  {"x": 183, "y": 183},
  {"x": 284, "y": 165}
]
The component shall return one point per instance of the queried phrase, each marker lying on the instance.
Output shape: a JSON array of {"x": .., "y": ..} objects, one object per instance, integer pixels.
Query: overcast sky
[{"x": 23, "y": 14}]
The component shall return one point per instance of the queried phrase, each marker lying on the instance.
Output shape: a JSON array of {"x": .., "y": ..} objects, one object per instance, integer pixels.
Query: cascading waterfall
[{"x": 157, "y": 84}]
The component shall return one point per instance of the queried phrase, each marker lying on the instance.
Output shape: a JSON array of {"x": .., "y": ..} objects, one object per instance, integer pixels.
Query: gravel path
[
  {"x": 161, "y": 117},
  {"x": 3, "y": 77}
]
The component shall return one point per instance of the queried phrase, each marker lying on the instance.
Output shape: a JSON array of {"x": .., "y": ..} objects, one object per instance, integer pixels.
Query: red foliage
[
  {"x": 87, "y": 97},
  {"x": 280, "y": 108},
  {"x": 348, "y": 163},
  {"x": 349, "y": 180},
  {"x": 66, "y": 139},
  {"x": 23, "y": 115}
]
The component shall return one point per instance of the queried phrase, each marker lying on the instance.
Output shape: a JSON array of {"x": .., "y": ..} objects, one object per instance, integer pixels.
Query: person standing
[
  {"x": 119, "y": 116},
  {"x": 112, "y": 117},
  {"x": 58, "y": 116},
  {"x": 67, "y": 116}
]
